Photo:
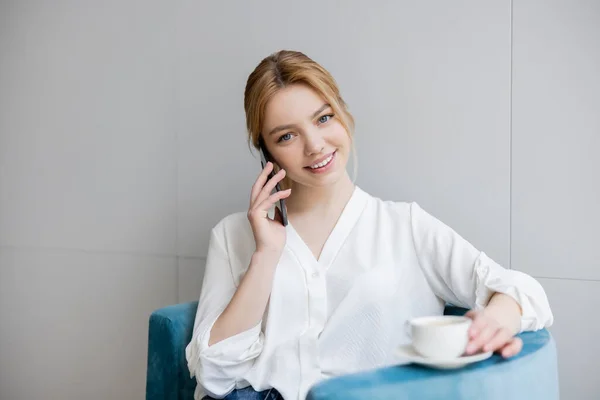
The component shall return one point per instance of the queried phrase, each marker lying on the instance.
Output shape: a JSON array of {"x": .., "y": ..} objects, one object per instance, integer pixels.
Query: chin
[{"x": 319, "y": 181}]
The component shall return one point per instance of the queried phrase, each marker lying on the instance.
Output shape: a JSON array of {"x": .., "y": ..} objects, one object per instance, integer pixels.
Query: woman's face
[{"x": 305, "y": 138}]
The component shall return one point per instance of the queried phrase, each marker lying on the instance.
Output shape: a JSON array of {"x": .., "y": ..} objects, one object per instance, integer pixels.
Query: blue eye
[
  {"x": 285, "y": 137},
  {"x": 325, "y": 118}
]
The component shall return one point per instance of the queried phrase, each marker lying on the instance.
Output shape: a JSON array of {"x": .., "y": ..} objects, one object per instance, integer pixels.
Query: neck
[{"x": 320, "y": 200}]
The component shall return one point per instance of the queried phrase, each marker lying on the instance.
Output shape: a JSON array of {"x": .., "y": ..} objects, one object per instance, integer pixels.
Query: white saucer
[{"x": 407, "y": 352}]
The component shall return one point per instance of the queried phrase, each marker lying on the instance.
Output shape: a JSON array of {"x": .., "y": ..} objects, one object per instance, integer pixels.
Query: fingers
[
  {"x": 263, "y": 186},
  {"x": 256, "y": 213},
  {"x": 261, "y": 210},
  {"x": 477, "y": 325},
  {"x": 487, "y": 335},
  {"x": 481, "y": 338},
  {"x": 499, "y": 340},
  {"x": 512, "y": 348},
  {"x": 272, "y": 199},
  {"x": 260, "y": 182},
  {"x": 269, "y": 186}
]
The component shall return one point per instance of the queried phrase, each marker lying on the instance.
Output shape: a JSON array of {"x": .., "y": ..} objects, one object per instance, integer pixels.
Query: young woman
[{"x": 283, "y": 307}]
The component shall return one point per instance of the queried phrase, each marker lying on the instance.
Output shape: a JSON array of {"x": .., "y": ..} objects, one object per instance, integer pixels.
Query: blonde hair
[{"x": 280, "y": 70}]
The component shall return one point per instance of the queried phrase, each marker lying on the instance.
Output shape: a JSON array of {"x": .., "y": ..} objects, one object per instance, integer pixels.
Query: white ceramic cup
[{"x": 444, "y": 336}]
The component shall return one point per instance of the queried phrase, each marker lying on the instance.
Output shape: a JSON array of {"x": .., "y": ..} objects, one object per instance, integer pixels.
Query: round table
[{"x": 532, "y": 374}]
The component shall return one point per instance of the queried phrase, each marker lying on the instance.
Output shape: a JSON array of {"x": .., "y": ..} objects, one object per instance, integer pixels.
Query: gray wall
[{"x": 122, "y": 142}]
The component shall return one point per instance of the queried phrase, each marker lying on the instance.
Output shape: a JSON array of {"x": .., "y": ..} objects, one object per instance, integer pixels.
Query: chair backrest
[{"x": 167, "y": 375}]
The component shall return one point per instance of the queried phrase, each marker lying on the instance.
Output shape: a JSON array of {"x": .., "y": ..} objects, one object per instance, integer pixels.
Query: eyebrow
[{"x": 284, "y": 127}]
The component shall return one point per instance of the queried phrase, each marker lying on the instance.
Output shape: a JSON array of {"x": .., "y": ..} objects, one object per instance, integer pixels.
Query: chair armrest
[{"x": 167, "y": 374}]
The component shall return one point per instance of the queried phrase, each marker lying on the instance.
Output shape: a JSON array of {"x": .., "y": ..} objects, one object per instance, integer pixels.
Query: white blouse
[{"x": 384, "y": 262}]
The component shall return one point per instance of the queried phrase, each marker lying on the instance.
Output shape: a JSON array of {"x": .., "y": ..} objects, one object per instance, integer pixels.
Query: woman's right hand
[{"x": 269, "y": 234}]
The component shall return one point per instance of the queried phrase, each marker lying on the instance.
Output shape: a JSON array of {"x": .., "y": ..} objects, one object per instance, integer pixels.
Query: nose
[{"x": 314, "y": 143}]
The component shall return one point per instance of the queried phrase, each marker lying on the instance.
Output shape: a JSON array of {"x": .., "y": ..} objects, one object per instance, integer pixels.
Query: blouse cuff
[
  {"x": 234, "y": 349},
  {"x": 525, "y": 290},
  {"x": 231, "y": 351}
]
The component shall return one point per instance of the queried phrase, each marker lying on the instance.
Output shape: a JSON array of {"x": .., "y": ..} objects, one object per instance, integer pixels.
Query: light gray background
[{"x": 122, "y": 142}]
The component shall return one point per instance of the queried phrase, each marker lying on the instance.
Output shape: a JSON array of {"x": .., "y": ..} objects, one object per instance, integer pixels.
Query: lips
[{"x": 321, "y": 162}]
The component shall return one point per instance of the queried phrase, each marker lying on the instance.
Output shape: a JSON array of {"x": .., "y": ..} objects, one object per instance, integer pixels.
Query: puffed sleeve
[
  {"x": 219, "y": 367},
  {"x": 464, "y": 276}
]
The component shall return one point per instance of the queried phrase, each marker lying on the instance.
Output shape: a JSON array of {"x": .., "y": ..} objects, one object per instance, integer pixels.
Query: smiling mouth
[{"x": 323, "y": 163}]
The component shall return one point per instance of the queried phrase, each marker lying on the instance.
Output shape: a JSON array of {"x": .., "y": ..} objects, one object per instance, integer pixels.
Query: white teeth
[{"x": 323, "y": 163}]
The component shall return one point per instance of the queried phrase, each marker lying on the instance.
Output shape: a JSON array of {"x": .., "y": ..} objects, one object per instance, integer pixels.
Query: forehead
[{"x": 292, "y": 104}]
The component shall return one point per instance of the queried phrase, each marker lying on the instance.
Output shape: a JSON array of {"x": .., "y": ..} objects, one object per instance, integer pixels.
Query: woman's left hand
[{"x": 488, "y": 334}]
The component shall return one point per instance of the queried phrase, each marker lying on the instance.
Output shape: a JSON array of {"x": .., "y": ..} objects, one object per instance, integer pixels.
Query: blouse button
[{"x": 315, "y": 275}]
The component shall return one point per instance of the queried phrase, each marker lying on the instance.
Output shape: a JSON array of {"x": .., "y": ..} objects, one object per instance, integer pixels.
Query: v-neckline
[{"x": 342, "y": 228}]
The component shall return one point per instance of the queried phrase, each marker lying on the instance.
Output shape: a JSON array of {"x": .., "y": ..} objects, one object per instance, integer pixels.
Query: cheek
[
  {"x": 290, "y": 157},
  {"x": 339, "y": 136}
]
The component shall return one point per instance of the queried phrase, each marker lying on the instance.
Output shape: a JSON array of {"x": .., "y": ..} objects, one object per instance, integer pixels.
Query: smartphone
[{"x": 264, "y": 158}]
